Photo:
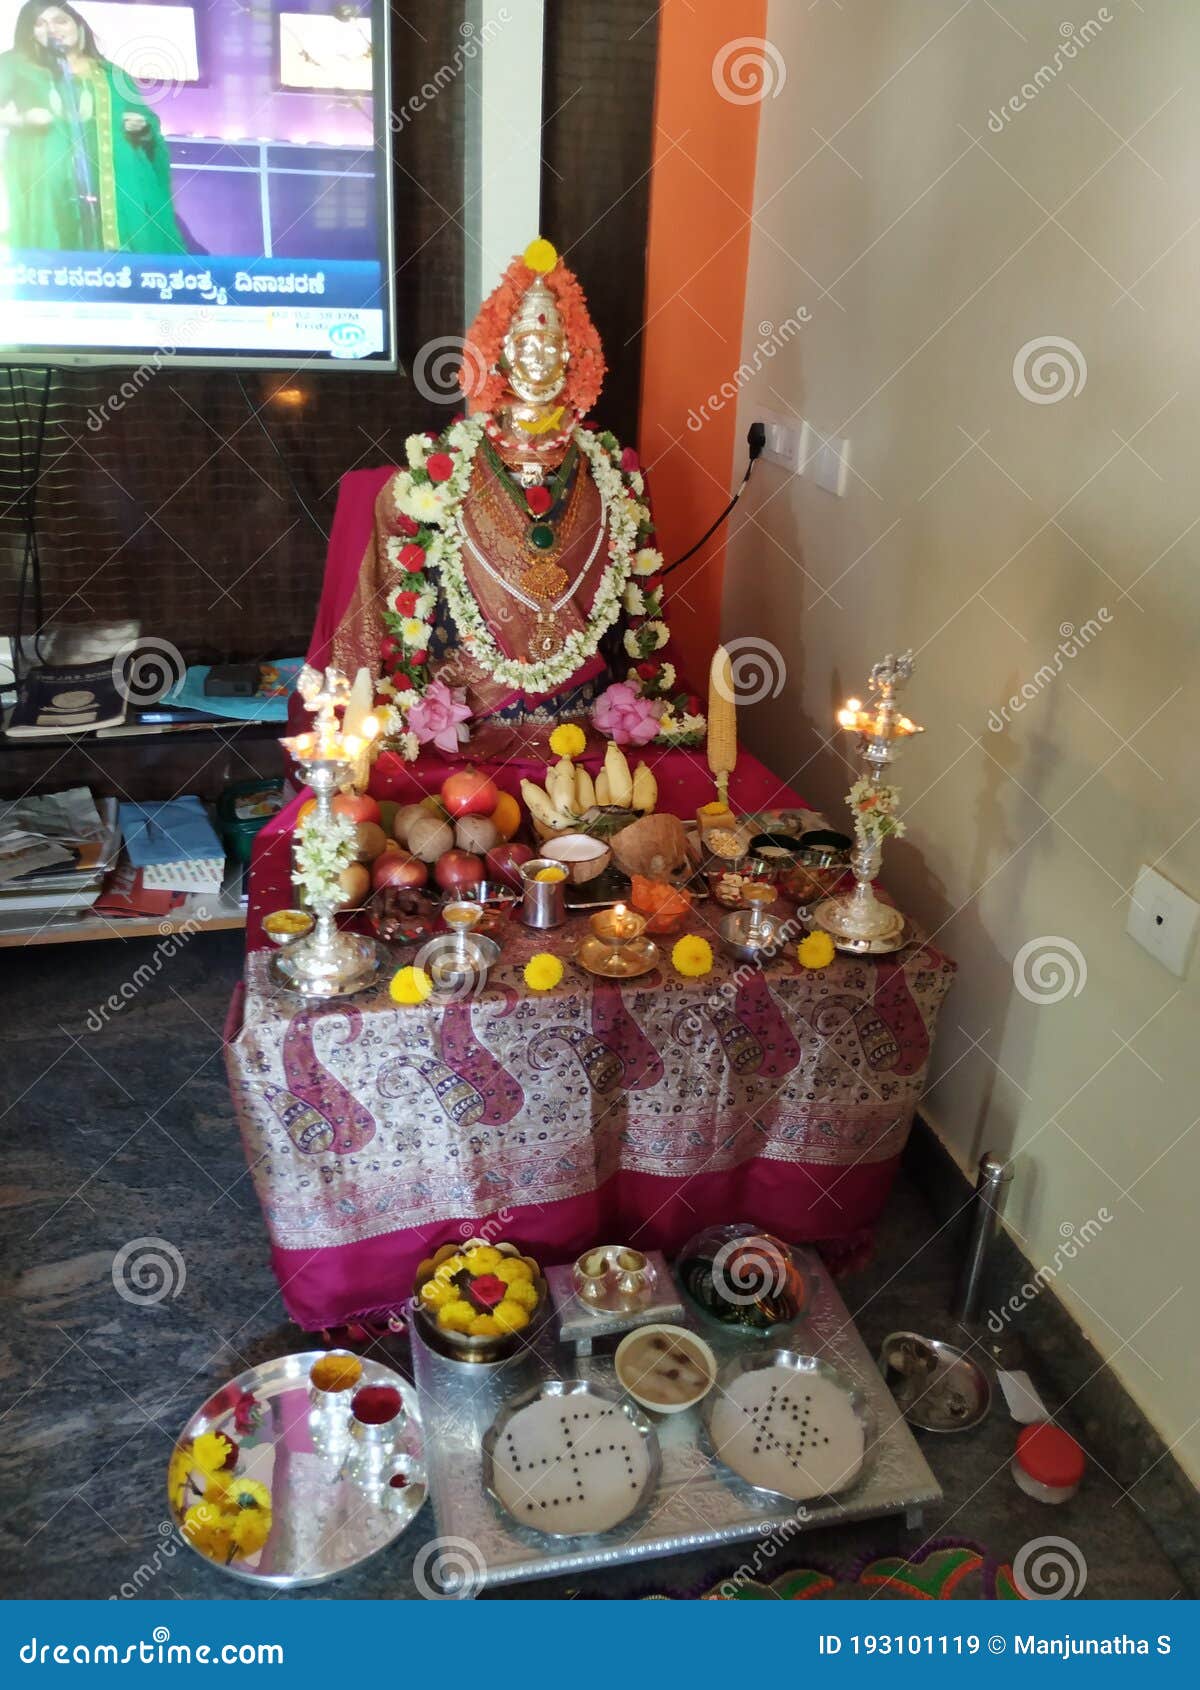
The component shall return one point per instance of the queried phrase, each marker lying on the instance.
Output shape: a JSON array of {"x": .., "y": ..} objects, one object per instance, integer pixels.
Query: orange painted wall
[{"x": 701, "y": 198}]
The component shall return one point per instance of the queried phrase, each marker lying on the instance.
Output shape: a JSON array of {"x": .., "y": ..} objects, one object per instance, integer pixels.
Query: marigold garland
[{"x": 480, "y": 376}]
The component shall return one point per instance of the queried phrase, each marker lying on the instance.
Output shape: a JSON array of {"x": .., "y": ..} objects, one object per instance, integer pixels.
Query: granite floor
[{"x": 117, "y": 1126}]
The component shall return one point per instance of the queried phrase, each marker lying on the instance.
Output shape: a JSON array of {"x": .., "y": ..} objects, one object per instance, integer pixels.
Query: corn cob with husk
[{"x": 722, "y": 722}]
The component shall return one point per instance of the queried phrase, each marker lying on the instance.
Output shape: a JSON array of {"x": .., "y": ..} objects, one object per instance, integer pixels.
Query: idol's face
[
  {"x": 56, "y": 28},
  {"x": 537, "y": 363}
]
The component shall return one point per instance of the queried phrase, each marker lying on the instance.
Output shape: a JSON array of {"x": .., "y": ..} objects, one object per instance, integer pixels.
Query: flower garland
[
  {"x": 426, "y": 552},
  {"x": 322, "y": 852},
  {"x": 873, "y": 807}
]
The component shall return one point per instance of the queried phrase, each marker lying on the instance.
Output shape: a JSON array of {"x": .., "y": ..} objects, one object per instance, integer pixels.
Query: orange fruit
[{"x": 506, "y": 817}]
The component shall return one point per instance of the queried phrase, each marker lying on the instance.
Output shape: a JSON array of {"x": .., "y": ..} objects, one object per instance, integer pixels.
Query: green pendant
[{"x": 541, "y": 535}]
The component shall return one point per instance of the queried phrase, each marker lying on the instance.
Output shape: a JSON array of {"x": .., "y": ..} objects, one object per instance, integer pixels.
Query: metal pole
[{"x": 991, "y": 1190}]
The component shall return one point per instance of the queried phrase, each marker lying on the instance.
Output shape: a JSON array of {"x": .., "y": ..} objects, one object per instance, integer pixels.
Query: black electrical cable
[
  {"x": 756, "y": 439},
  {"x": 256, "y": 413}
]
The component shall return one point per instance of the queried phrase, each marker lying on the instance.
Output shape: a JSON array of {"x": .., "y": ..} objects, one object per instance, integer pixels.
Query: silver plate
[
  {"x": 324, "y": 1521},
  {"x": 936, "y": 1386},
  {"x": 801, "y": 1366},
  {"x": 563, "y": 1467},
  {"x": 371, "y": 958},
  {"x": 698, "y": 1502}
]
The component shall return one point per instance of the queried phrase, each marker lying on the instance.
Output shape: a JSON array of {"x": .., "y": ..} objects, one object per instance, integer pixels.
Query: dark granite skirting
[{"x": 1066, "y": 1367}]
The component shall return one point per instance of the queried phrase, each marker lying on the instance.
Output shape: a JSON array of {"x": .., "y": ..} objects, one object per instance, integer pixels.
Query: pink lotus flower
[
  {"x": 437, "y": 716},
  {"x": 625, "y": 716}
]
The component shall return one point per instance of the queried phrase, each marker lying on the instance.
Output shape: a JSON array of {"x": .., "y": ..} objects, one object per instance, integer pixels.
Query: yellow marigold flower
[
  {"x": 482, "y": 1259},
  {"x": 248, "y": 1493},
  {"x": 510, "y": 1316},
  {"x": 543, "y": 972},
  {"x": 251, "y": 1529},
  {"x": 410, "y": 986},
  {"x": 483, "y": 1326},
  {"x": 436, "y": 1293},
  {"x": 179, "y": 1471},
  {"x": 209, "y": 1529},
  {"x": 692, "y": 956},
  {"x": 816, "y": 951},
  {"x": 568, "y": 740},
  {"x": 456, "y": 1316},
  {"x": 524, "y": 1292},
  {"x": 541, "y": 256},
  {"x": 210, "y": 1451},
  {"x": 453, "y": 1264},
  {"x": 512, "y": 1269}
]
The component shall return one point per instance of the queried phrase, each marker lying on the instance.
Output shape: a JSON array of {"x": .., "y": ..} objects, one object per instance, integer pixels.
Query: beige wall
[{"x": 928, "y": 257}]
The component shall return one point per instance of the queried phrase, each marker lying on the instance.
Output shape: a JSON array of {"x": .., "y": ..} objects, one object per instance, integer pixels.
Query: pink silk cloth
[{"x": 593, "y": 1113}]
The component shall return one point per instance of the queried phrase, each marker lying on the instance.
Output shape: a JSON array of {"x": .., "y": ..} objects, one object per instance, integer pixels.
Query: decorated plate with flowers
[
  {"x": 269, "y": 1482},
  {"x": 474, "y": 1301}
]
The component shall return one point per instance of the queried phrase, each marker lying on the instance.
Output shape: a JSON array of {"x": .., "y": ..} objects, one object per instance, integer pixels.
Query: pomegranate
[
  {"x": 504, "y": 862},
  {"x": 468, "y": 792},
  {"x": 357, "y": 806}
]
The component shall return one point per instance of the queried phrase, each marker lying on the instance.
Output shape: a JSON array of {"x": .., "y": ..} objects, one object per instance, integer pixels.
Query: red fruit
[
  {"x": 399, "y": 868},
  {"x": 375, "y": 1405},
  {"x": 440, "y": 466},
  {"x": 357, "y": 806},
  {"x": 468, "y": 792},
  {"x": 456, "y": 869},
  {"x": 504, "y": 862}
]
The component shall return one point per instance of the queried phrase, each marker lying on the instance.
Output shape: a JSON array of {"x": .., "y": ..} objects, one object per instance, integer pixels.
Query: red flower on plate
[
  {"x": 487, "y": 1290},
  {"x": 539, "y": 500},
  {"x": 440, "y": 466}
]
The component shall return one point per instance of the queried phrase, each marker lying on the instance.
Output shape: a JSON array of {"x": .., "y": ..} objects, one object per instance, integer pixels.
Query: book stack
[
  {"x": 55, "y": 851},
  {"x": 173, "y": 845}
]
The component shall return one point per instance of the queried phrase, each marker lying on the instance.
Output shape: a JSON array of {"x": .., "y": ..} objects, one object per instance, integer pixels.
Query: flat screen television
[{"x": 205, "y": 184}]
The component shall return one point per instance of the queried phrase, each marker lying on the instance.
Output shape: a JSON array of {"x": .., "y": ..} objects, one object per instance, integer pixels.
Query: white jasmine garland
[
  {"x": 648, "y": 561},
  {"x": 416, "y": 450},
  {"x": 634, "y": 600},
  {"x": 324, "y": 849}
]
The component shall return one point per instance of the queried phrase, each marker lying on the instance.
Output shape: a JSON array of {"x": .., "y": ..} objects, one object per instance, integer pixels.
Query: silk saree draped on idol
[{"x": 85, "y": 150}]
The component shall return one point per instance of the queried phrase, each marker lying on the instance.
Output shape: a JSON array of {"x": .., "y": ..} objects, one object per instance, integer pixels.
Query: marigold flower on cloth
[
  {"x": 410, "y": 986},
  {"x": 816, "y": 951},
  {"x": 211, "y": 1452},
  {"x": 692, "y": 956},
  {"x": 568, "y": 740},
  {"x": 543, "y": 972}
]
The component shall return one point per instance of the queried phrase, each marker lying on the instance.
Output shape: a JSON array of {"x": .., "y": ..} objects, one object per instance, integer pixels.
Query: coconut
[{"x": 429, "y": 838}]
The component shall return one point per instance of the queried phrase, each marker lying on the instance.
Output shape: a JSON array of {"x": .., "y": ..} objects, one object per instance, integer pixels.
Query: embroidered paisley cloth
[{"x": 599, "y": 1111}]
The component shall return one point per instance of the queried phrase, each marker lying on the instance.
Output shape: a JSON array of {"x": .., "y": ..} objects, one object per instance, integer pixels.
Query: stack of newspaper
[{"x": 55, "y": 850}]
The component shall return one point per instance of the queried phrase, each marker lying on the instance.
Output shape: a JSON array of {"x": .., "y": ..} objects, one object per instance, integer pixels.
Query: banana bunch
[{"x": 570, "y": 795}]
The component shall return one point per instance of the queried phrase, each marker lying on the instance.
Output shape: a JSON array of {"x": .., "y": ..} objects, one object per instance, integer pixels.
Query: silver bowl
[
  {"x": 736, "y": 928},
  {"x": 936, "y": 1387}
]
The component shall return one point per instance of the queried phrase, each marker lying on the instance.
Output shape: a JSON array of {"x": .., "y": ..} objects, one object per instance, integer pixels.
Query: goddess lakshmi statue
[{"x": 512, "y": 581}]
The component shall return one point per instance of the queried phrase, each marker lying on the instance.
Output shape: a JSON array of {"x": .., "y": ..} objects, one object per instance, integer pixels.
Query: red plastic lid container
[{"x": 1050, "y": 1456}]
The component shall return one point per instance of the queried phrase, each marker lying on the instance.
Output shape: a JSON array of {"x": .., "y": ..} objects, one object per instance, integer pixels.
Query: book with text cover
[{"x": 65, "y": 699}]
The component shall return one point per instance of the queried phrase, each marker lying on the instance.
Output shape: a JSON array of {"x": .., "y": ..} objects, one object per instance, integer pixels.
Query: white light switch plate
[
  {"x": 1163, "y": 920},
  {"x": 831, "y": 466}
]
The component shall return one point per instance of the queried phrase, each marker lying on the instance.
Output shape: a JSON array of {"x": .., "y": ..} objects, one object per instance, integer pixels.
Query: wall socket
[{"x": 1163, "y": 920}]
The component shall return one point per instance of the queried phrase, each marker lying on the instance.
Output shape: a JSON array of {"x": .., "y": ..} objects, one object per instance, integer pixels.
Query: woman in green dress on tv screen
[{"x": 86, "y": 167}]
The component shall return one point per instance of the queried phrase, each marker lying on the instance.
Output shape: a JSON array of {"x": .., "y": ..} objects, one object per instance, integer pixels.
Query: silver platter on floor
[
  {"x": 334, "y": 1500},
  {"x": 570, "y": 1459}
]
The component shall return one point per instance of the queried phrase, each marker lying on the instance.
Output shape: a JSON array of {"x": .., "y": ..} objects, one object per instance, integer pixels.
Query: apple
[
  {"x": 504, "y": 863},
  {"x": 398, "y": 868},
  {"x": 456, "y": 869},
  {"x": 371, "y": 841},
  {"x": 467, "y": 792},
  {"x": 357, "y": 806},
  {"x": 355, "y": 882}
]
